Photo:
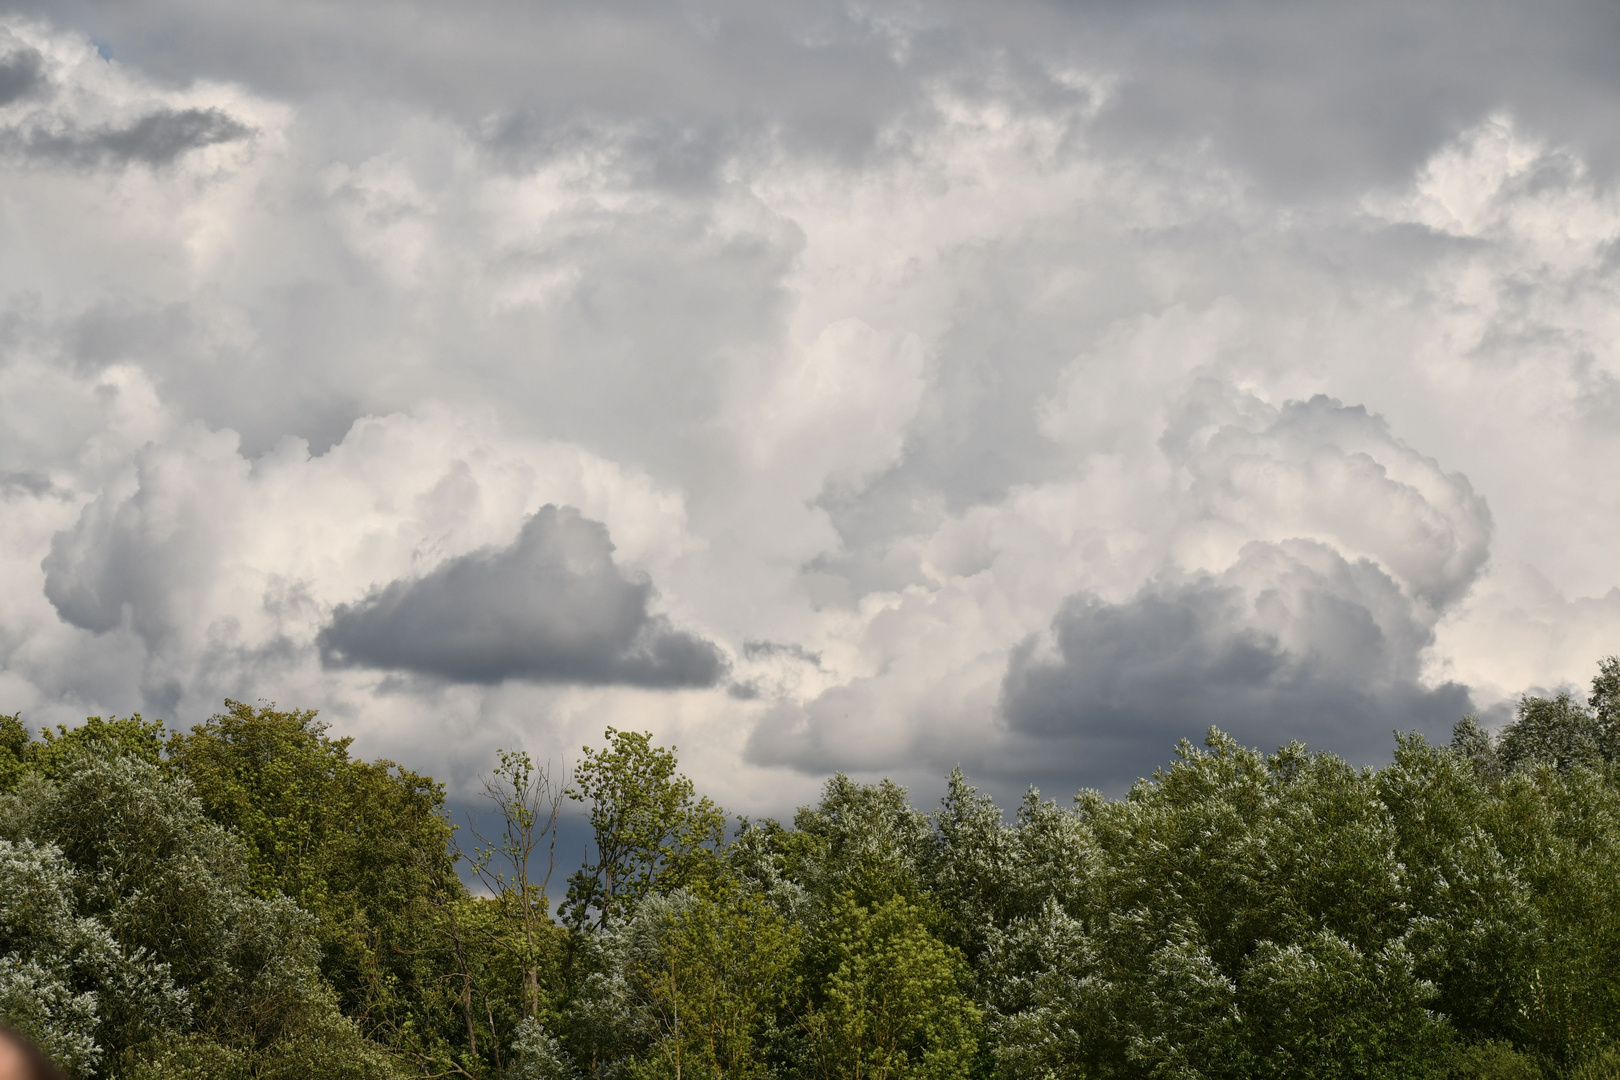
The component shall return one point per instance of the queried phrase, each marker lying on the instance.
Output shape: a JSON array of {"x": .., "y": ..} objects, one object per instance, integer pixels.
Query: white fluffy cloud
[{"x": 989, "y": 412}]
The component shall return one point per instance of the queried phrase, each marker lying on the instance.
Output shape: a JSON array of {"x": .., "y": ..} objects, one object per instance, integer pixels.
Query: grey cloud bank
[
  {"x": 1023, "y": 385},
  {"x": 1319, "y": 629},
  {"x": 1313, "y": 653}
]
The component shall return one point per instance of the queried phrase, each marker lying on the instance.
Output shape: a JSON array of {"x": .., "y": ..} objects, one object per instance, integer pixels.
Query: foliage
[
  {"x": 1491, "y": 1060},
  {"x": 246, "y": 899},
  {"x": 154, "y": 896},
  {"x": 1553, "y": 731},
  {"x": 15, "y": 740},
  {"x": 529, "y": 804},
  {"x": 359, "y": 845},
  {"x": 693, "y": 983},
  {"x": 504, "y": 955},
  {"x": 57, "y": 750},
  {"x": 709, "y": 974},
  {"x": 649, "y": 828},
  {"x": 537, "y": 1055},
  {"x": 895, "y": 1007},
  {"x": 1561, "y": 732},
  {"x": 64, "y": 980},
  {"x": 862, "y": 839}
]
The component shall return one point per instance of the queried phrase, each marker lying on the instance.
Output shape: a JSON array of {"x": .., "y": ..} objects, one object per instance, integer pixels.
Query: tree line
[{"x": 247, "y": 899}]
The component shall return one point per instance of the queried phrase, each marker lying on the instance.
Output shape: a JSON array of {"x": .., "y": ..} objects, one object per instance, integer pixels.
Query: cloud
[
  {"x": 156, "y": 139},
  {"x": 1277, "y": 570},
  {"x": 138, "y": 556},
  {"x": 1292, "y": 642},
  {"x": 753, "y": 650},
  {"x": 68, "y": 107},
  {"x": 552, "y": 607},
  {"x": 197, "y": 572},
  {"x": 1310, "y": 101},
  {"x": 22, "y": 73},
  {"x": 1324, "y": 470},
  {"x": 25, "y": 481},
  {"x": 1042, "y": 318}
]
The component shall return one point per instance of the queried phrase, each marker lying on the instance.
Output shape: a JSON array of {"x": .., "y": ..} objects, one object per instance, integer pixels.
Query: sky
[{"x": 862, "y": 387}]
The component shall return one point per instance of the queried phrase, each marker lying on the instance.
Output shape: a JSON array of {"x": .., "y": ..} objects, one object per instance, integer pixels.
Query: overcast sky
[{"x": 822, "y": 386}]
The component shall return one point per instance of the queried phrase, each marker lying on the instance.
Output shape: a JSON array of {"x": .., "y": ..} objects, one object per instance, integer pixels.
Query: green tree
[
  {"x": 863, "y": 839},
  {"x": 56, "y": 750},
  {"x": 1559, "y": 835},
  {"x": 1557, "y": 731},
  {"x": 1491, "y": 1060},
  {"x": 1322, "y": 1009},
  {"x": 1474, "y": 924},
  {"x": 363, "y": 846},
  {"x": 1474, "y": 744},
  {"x": 1604, "y": 701},
  {"x": 710, "y": 972},
  {"x": 171, "y": 888},
  {"x": 969, "y": 869},
  {"x": 529, "y": 805},
  {"x": 896, "y": 1006},
  {"x": 1045, "y": 1010},
  {"x": 64, "y": 980},
  {"x": 650, "y": 829},
  {"x": 483, "y": 968},
  {"x": 1230, "y": 895},
  {"x": 15, "y": 747},
  {"x": 537, "y": 1055}
]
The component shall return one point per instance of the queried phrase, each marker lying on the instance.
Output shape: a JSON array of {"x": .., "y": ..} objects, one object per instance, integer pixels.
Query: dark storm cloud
[
  {"x": 552, "y": 607},
  {"x": 156, "y": 139},
  {"x": 21, "y": 73},
  {"x": 1127, "y": 680}
]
